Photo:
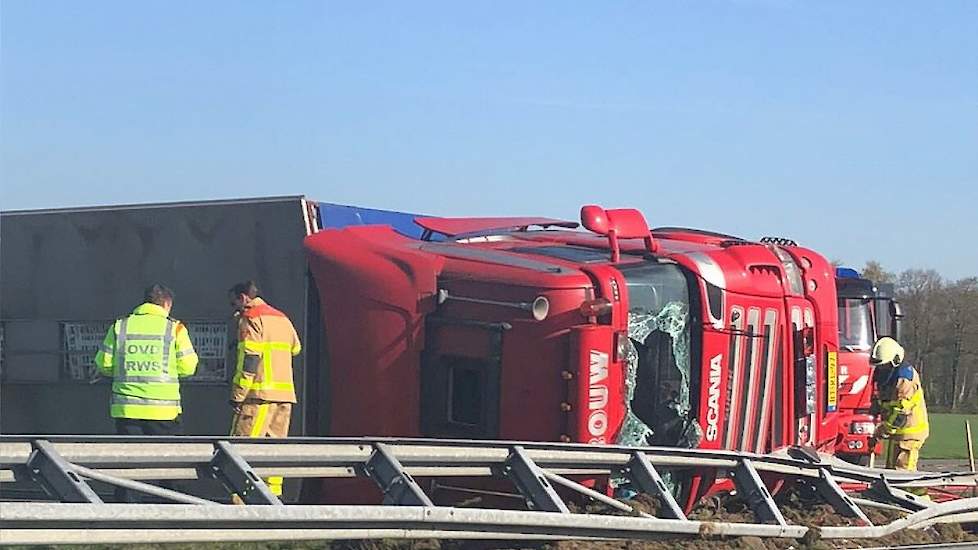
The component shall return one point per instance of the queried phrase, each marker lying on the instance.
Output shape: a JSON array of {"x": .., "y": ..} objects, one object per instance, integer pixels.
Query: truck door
[{"x": 460, "y": 378}]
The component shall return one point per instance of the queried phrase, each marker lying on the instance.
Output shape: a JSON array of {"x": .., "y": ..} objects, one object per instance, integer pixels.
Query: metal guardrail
[{"x": 539, "y": 472}]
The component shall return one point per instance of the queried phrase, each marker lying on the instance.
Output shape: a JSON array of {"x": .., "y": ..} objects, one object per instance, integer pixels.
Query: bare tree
[
  {"x": 961, "y": 299},
  {"x": 874, "y": 271},
  {"x": 918, "y": 290}
]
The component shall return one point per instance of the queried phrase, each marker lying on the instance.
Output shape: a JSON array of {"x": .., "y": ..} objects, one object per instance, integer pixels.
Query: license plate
[{"x": 832, "y": 380}]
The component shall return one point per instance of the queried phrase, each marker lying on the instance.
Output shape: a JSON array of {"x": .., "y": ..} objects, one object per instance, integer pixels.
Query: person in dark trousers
[{"x": 147, "y": 353}]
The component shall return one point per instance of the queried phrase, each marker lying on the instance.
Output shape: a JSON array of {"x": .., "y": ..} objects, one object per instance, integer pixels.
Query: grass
[{"x": 947, "y": 439}]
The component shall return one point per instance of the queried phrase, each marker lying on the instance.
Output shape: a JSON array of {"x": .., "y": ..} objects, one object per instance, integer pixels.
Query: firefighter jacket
[
  {"x": 902, "y": 407},
  {"x": 267, "y": 341},
  {"x": 146, "y": 354}
]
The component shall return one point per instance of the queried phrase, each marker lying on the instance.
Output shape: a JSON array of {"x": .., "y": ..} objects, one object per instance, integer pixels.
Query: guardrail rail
[{"x": 61, "y": 506}]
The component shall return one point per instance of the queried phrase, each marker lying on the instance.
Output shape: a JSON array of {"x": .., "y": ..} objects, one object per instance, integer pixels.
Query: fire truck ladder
[{"x": 543, "y": 475}]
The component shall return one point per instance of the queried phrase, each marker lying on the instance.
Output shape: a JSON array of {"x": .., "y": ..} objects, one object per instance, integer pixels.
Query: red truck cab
[{"x": 489, "y": 328}]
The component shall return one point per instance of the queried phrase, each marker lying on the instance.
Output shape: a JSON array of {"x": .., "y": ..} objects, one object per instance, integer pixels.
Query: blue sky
[{"x": 849, "y": 126}]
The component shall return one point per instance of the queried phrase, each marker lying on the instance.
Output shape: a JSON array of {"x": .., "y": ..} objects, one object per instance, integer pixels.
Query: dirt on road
[{"x": 799, "y": 507}]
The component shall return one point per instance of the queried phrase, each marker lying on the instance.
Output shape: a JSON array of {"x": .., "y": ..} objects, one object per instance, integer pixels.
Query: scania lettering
[{"x": 713, "y": 401}]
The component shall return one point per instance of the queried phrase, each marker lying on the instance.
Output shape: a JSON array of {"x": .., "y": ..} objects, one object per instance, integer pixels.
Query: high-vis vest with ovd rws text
[{"x": 146, "y": 354}]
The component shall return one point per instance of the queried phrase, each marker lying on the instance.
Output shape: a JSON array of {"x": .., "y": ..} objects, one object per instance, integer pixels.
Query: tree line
[{"x": 940, "y": 333}]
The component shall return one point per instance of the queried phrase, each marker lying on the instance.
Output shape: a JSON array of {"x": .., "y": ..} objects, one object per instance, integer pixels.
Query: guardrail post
[
  {"x": 909, "y": 501},
  {"x": 398, "y": 486},
  {"x": 834, "y": 495},
  {"x": 648, "y": 480},
  {"x": 55, "y": 475},
  {"x": 238, "y": 476},
  {"x": 752, "y": 490},
  {"x": 532, "y": 482}
]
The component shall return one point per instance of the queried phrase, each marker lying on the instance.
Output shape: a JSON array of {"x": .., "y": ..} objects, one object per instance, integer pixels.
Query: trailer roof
[{"x": 177, "y": 204}]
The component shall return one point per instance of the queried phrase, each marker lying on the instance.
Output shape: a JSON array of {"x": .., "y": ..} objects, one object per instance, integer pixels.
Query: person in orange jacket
[{"x": 263, "y": 389}]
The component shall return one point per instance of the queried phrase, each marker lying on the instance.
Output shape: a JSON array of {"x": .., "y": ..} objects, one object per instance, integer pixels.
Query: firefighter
[
  {"x": 146, "y": 354},
  {"x": 262, "y": 390},
  {"x": 903, "y": 412}
]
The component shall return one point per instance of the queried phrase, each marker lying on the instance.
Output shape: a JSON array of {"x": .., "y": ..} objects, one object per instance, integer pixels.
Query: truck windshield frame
[
  {"x": 662, "y": 363},
  {"x": 856, "y": 326}
]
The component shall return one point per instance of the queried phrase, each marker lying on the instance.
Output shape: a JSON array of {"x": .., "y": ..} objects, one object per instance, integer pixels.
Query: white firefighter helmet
[{"x": 886, "y": 350}]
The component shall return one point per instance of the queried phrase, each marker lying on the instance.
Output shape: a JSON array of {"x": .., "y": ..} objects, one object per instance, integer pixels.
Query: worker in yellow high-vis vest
[
  {"x": 146, "y": 354},
  {"x": 903, "y": 411},
  {"x": 262, "y": 390}
]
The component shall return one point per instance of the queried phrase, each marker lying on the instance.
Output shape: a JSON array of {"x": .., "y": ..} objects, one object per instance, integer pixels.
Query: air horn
[{"x": 539, "y": 308}]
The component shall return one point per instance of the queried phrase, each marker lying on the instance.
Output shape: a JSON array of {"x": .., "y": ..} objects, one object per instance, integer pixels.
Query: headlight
[
  {"x": 862, "y": 428},
  {"x": 810, "y": 400}
]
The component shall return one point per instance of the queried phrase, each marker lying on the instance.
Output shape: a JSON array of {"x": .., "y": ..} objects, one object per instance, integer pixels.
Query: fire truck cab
[
  {"x": 867, "y": 312},
  {"x": 534, "y": 329}
]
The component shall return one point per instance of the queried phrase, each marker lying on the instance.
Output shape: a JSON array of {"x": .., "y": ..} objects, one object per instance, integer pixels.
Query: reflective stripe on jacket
[
  {"x": 146, "y": 354},
  {"x": 904, "y": 411},
  {"x": 267, "y": 341}
]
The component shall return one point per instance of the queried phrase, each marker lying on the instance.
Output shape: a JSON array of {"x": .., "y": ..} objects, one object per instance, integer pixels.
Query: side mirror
[
  {"x": 594, "y": 219},
  {"x": 628, "y": 223},
  {"x": 619, "y": 223},
  {"x": 896, "y": 311}
]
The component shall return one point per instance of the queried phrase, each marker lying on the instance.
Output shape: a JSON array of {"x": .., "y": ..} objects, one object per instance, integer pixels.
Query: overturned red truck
[
  {"x": 501, "y": 328},
  {"x": 530, "y": 329}
]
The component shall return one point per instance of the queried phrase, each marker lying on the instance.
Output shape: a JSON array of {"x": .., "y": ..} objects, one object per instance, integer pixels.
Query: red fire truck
[
  {"x": 867, "y": 312},
  {"x": 531, "y": 329}
]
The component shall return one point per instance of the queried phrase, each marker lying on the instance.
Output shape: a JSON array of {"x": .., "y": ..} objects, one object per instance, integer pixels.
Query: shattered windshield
[
  {"x": 658, "y": 376},
  {"x": 855, "y": 324}
]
